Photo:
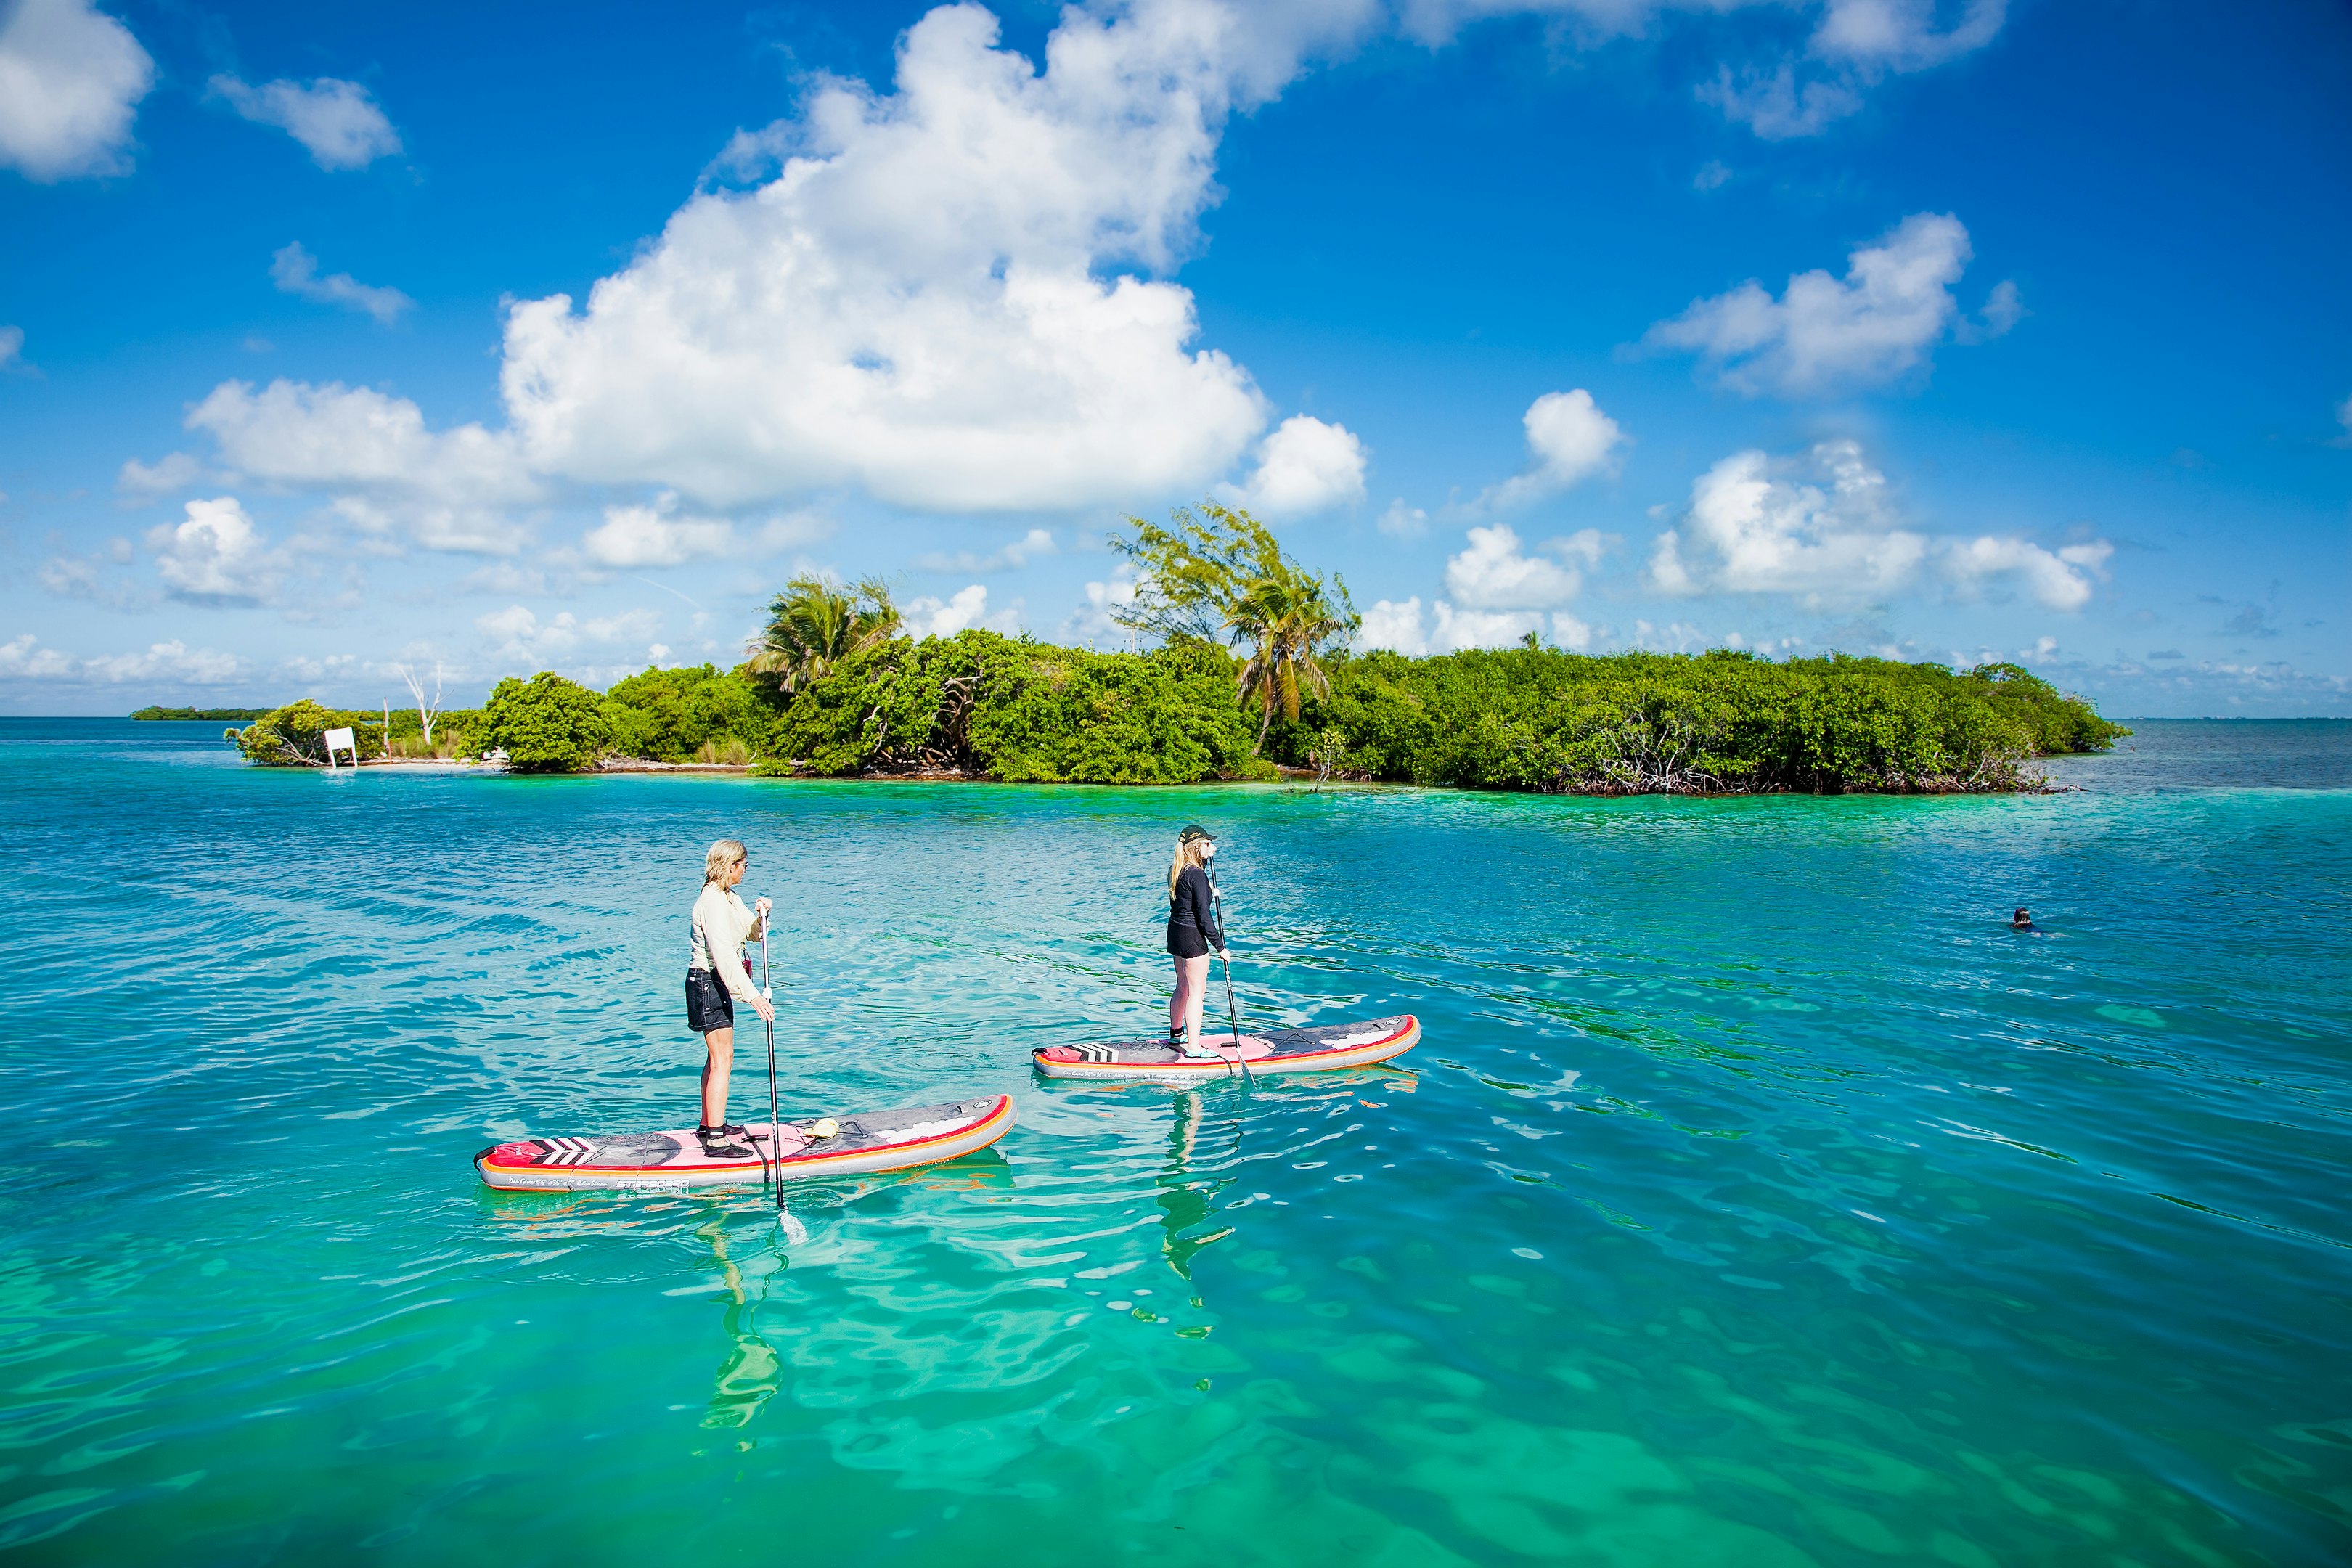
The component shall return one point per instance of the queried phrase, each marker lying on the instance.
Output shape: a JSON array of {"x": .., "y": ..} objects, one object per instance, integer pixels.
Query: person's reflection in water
[
  {"x": 749, "y": 1377},
  {"x": 1186, "y": 1202}
]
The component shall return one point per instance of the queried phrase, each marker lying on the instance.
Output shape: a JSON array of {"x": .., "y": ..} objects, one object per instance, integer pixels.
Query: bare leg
[
  {"x": 1176, "y": 1002},
  {"x": 715, "y": 1073},
  {"x": 1193, "y": 985}
]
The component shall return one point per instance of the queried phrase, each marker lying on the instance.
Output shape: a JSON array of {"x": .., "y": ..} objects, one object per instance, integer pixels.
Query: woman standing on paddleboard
[
  {"x": 716, "y": 980},
  {"x": 1192, "y": 930}
]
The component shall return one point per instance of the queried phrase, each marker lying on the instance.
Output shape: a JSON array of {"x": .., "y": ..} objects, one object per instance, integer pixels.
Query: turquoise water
[{"x": 1754, "y": 1197}]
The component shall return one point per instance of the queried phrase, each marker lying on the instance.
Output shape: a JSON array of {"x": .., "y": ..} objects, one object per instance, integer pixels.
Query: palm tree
[
  {"x": 816, "y": 623},
  {"x": 1291, "y": 616}
]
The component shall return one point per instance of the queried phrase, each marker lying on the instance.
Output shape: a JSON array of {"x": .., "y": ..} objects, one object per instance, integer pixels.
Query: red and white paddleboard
[
  {"x": 1323, "y": 1048},
  {"x": 876, "y": 1141}
]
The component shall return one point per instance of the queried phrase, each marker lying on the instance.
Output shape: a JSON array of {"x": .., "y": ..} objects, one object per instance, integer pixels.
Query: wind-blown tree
[
  {"x": 1221, "y": 576},
  {"x": 295, "y": 735},
  {"x": 815, "y": 624}
]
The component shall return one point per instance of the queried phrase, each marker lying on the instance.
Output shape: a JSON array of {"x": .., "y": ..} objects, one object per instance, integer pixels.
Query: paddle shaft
[
  {"x": 775, "y": 1131},
  {"x": 1233, "y": 1014}
]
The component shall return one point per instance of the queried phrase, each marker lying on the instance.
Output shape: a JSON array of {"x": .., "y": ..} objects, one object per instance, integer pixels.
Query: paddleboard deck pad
[
  {"x": 1322, "y": 1048},
  {"x": 876, "y": 1141}
]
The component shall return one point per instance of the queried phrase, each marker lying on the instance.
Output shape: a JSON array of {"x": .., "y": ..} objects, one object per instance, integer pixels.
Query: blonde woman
[
  {"x": 1192, "y": 930},
  {"x": 716, "y": 980}
]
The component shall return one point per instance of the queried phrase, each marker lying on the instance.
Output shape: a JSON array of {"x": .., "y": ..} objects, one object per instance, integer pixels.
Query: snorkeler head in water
[{"x": 2021, "y": 921}]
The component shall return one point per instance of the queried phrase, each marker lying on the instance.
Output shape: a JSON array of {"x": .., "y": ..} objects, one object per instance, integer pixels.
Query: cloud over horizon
[{"x": 1822, "y": 528}]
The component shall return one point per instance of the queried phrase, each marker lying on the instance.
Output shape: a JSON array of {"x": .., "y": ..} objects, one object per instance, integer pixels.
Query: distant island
[
  {"x": 187, "y": 713},
  {"x": 1253, "y": 679}
]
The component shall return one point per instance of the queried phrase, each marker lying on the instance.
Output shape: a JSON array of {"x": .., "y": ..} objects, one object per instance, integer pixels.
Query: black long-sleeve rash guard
[{"x": 1191, "y": 905}]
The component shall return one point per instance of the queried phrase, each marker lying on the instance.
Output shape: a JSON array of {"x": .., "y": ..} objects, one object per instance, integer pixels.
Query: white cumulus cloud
[
  {"x": 452, "y": 489},
  {"x": 1569, "y": 438},
  {"x": 657, "y": 535},
  {"x": 951, "y": 291},
  {"x": 216, "y": 556},
  {"x": 339, "y": 122},
  {"x": 70, "y": 80},
  {"x": 1822, "y": 528},
  {"x": 1395, "y": 625},
  {"x": 2060, "y": 579},
  {"x": 1305, "y": 467},
  {"x": 1492, "y": 572},
  {"x": 22, "y": 658},
  {"x": 12, "y": 347},
  {"x": 1825, "y": 335},
  {"x": 1402, "y": 627},
  {"x": 296, "y": 271},
  {"x": 1498, "y": 592},
  {"x": 933, "y": 617},
  {"x": 915, "y": 304}
]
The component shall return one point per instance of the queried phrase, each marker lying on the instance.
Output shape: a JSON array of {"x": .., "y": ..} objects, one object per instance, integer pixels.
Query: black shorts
[
  {"x": 1185, "y": 941},
  {"x": 708, "y": 1004}
]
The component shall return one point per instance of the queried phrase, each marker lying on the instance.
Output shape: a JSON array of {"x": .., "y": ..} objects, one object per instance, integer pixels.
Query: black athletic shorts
[
  {"x": 708, "y": 1004},
  {"x": 1185, "y": 940}
]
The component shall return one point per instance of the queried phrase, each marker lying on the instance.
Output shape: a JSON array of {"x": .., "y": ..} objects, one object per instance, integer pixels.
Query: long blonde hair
[
  {"x": 722, "y": 854},
  {"x": 1188, "y": 853}
]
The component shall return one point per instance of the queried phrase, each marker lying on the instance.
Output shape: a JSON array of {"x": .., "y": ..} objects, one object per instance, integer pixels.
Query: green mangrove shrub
[
  {"x": 699, "y": 713},
  {"x": 546, "y": 724},
  {"x": 295, "y": 736},
  {"x": 1719, "y": 722}
]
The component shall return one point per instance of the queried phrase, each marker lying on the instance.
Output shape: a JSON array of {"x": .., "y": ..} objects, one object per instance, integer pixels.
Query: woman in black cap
[{"x": 1192, "y": 930}]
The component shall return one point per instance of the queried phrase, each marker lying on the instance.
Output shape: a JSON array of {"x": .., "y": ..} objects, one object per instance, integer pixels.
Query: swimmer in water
[{"x": 2023, "y": 921}]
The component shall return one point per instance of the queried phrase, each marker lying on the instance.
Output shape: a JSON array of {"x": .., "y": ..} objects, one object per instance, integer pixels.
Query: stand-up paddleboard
[
  {"x": 878, "y": 1141},
  {"x": 1320, "y": 1049}
]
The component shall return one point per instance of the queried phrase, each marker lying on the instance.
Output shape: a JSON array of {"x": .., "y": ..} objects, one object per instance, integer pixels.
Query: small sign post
[{"x": 343, "y": 738}]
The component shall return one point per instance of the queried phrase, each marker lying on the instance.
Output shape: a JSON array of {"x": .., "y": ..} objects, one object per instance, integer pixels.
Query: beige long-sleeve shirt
[{"x": 721, "y": 926}]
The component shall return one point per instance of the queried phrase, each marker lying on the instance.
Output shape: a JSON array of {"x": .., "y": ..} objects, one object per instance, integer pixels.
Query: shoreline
[{"x": 642, "y": 766}]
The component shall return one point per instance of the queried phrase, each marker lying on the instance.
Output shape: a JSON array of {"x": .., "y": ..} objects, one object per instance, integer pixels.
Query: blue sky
[{"x": 334, "y": 340}]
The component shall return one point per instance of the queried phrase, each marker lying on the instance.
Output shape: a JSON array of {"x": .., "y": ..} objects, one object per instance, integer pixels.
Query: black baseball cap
[{"x": 1194, "y": 830}]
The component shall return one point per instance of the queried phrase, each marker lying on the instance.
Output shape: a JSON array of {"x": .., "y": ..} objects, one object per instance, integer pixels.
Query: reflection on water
[
  {"x": 1188, "y": 1193},
  {"x": 1755, "y": 1196},
  {"x": 750, "y": 1376}
]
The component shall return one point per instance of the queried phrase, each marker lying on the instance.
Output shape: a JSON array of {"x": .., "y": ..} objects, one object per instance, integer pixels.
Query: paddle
[
  {"x": 775, "y": 1123},
  {"x": 1233, "y": 1015}
]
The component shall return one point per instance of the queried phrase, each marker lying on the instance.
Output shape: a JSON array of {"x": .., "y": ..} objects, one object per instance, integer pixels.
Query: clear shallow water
[{"x": 1754, "y": 1197}]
